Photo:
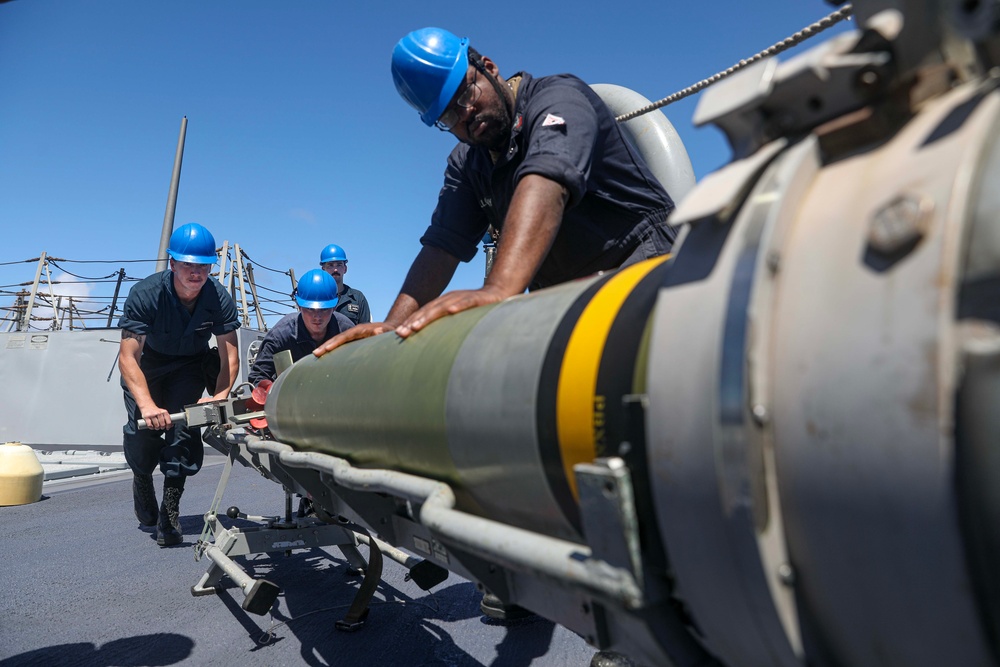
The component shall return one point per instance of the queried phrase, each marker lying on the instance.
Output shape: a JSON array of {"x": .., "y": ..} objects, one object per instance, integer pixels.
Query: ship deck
[{"x": 82, "y": 583}]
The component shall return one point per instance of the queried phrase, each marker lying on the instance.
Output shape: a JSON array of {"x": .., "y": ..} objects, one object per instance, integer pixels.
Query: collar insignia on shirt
[
  {"x": 518, "y": 122},
  {"x": 553, "y": 119}
]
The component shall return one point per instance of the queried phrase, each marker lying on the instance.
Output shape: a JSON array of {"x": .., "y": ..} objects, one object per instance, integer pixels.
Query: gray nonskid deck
[{"x": 83, "y": 584}]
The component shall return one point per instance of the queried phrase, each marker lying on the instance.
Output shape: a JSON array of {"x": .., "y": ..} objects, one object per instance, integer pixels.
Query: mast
[{"x": 168, "y": 217}]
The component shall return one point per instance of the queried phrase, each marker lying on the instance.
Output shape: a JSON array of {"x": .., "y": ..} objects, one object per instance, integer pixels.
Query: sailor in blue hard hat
[
  {"x": 166, "y": 364},
  {"x": 300, "y": 333},
  {"x": 542, "y": 160},
  {"x": 352, "y": 302}
]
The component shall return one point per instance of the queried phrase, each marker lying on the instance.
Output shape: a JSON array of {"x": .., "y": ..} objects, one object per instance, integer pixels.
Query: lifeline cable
[
  {"x": 91, "y": 261},
  {"x": 785, "y": 44},
  {"x": 269, "y": 289},
  {"x": 70, "y": 273},
  {"x": 259, "y": 265}
]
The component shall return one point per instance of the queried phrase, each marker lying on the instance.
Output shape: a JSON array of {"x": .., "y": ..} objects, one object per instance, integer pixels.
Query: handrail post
[
  {"x": 256, "y": 302},
  {"x": 114, "y": 299},
  {"x": 34, "y": 290},
  {"x": 295, "y": 285},
  {"x": 238, "y": 265}
]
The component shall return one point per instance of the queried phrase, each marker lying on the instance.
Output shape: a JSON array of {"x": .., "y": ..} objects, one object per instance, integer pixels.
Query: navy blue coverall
[{"x": 178, "y": 366}]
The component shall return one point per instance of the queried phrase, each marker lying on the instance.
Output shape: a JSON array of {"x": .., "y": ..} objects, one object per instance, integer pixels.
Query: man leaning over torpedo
[{"x": 543, "y": 162}]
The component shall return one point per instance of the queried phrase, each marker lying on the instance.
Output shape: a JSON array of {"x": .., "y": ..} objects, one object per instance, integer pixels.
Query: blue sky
[{"x": 296, "y": 137}]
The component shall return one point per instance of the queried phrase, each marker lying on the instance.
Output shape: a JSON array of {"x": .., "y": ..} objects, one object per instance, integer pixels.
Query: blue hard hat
[
  {"x": 316, "y": 289},
  {"x": 192, "y": 243},
  {"x": 428, "y": 66},
  {"x": 332, "y": 253}
]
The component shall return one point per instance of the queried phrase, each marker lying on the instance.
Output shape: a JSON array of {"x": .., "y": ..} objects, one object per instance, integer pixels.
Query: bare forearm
[
  {"x": 129, "y": 353},
  {"x": 530, "y": 228},
  {"x": 227, "y": 378},
  {"x": 404, "y": 306},
  {"x": 229, "y": 364},
  {"x": 136, "y": 383},
  {"x": 427, "y": 278}
]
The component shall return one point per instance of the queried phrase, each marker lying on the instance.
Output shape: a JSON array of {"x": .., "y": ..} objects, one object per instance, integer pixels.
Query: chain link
[{"x": 785, "y": 44}]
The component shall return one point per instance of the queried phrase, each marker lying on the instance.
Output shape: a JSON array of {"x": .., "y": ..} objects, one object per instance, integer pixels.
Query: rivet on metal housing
[
  {"x": 786, "y": 574},
  {"x": 901, "y": 222},
  {"x": 759, "y": 414}
]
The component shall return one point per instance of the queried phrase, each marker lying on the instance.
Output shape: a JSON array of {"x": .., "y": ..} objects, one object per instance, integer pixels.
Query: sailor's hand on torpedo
[
  {"x": 354, "y": 333},
  {"x": 156, "y": 418},
  {"x": 449, "y": 304}
]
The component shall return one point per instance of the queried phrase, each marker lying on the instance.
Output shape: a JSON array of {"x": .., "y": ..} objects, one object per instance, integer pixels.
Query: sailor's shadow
[{"x": 156, "y": 649}]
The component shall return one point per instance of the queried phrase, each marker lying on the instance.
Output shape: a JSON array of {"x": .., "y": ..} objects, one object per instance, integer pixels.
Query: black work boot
[
  {"x": 610, "y": 659},
  {"x": 144, "y": 499},
  {"x": 168, "y": 530}
]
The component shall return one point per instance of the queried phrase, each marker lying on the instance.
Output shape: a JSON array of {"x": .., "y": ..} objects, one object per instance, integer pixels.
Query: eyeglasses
[{"x": 469, "y": 96}]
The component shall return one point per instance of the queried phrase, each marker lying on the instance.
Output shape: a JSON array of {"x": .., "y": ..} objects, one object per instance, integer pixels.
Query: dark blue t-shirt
[
  {"x": 561, "y": 130},
  {"x": 153, "y": 310}
]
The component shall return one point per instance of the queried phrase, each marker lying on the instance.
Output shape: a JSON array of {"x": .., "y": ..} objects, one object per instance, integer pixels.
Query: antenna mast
[{"x": 168, "y": 217}]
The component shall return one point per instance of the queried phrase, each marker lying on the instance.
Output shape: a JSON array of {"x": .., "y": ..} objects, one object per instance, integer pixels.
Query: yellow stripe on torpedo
[{"x": 577, "y": 389}]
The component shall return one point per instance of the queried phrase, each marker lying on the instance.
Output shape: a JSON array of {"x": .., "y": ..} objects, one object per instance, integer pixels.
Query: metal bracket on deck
[
  {"x": 302, "y": 533},
  {"x": 276, "y": 534},
  {"x": 282, "y": 534}
]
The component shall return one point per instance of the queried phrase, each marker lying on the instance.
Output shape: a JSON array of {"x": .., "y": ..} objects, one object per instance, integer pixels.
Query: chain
[{"x": 785, "y": 44}]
